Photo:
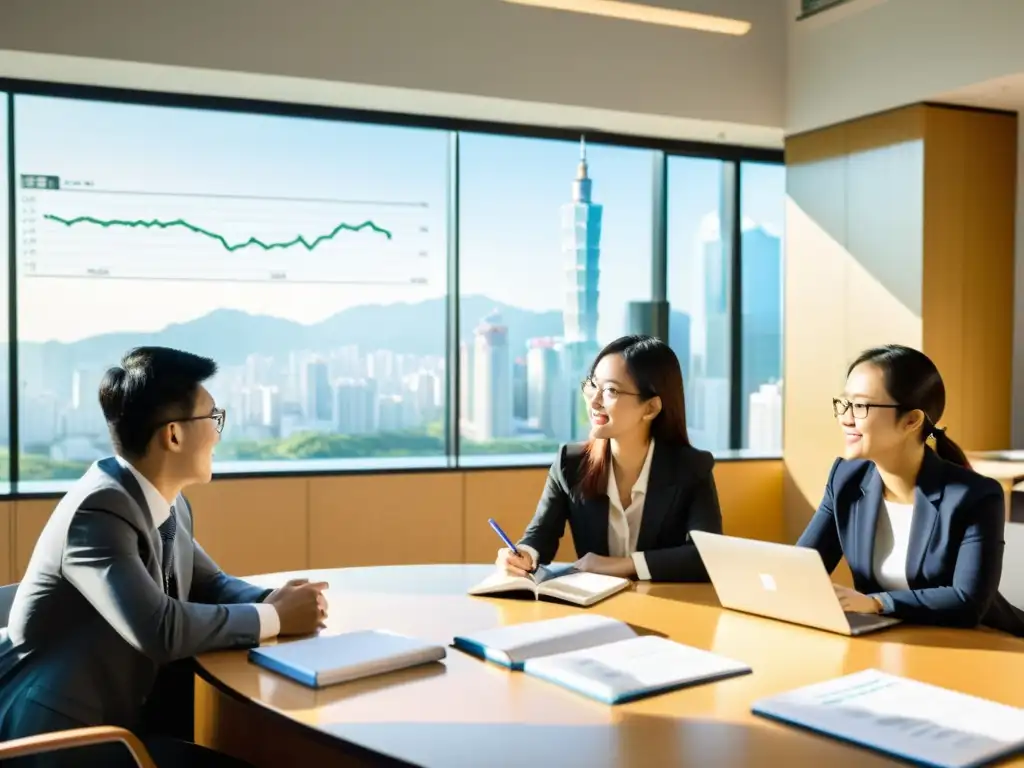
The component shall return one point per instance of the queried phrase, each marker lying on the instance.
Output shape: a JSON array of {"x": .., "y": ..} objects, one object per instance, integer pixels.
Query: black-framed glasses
[
  {"x": 860, "y": 410},
  {"x": 219, "y": 416},
  {"x": 589, "y": 387}
]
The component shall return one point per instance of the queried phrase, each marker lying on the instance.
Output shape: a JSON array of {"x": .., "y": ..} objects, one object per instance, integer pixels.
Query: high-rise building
[
  {"x": 355, "y": 406},
  {"x": 467, "y": 376},
  {"x": 761, "y": 317},
  {"x": 270, "y": 408},
  {"x": 581, "y": 253},
  {"x": 519, "y": 389},
  {"x": 85, "y": 416},
  {"x": 679, "y": 330},
  {"x": 317, "y": 403},
  {"x": 492, "y": 386},
  {"x": 547, "y": 400},
  {"x": 391, "y": 412},
  {"x": 764, "y": 433}
]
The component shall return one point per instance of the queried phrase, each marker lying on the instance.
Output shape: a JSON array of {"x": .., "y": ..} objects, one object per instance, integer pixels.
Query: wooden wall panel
[
  {"x": 385, "y": 519},
  {"x": 291, "y": 523},
  {"x": 510, "y": 497},
  {"x": 6, "y": 542},
  {"x": 30, "y": 515},
  {"x": 750, "y": 493},
  {"x": 253, "y": 526},
  {"x": 900, "y": 229},
  {"x": 985, "y": 214},
  {"x": 814, "y": 349},
  {"x": 943, "y": 305}
]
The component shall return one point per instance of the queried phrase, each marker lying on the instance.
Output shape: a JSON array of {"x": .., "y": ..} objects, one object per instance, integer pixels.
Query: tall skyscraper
[
  {"x": 581, "y": 253},
  {"x": 492, "y": 406},
  {"x": 762, "y": 317}
]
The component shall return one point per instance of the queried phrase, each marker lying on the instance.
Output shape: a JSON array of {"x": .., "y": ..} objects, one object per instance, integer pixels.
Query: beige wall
[
  {"x": 482, "y": 48},
  {"x": 900, "y": 229},
  {"x": 867, "y": 56},
  {"x": 277, "y": 524}
]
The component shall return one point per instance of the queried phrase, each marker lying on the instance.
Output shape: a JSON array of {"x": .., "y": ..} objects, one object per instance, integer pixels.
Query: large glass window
[
  {"x": 307, "y": 257},
  {"x": 5, "y": 409},
  {"x": 555, "y": 242},
  {"x": 310, "y": 257},
  {"x": 763, "y": 203},
  {"x": 699, "y": 293}
]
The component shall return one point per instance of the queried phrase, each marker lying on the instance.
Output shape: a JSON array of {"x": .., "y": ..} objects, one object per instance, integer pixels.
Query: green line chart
[
  {"x": 298, "y": 240},
  {"x": 111, "y": 234}
]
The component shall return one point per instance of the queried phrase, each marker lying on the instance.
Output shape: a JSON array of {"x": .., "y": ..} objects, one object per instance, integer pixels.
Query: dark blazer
[
  {"x": 955, "y": 554},
  {"x": 681, "y": 497},
  {"x": 91, "y": 625}
]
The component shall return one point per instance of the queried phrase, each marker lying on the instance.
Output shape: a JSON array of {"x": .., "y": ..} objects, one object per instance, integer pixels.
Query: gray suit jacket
[{"x": 91, "y": 625}]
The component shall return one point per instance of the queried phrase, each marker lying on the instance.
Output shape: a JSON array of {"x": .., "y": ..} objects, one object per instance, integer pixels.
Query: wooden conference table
[{"x": 464, "y": 712}]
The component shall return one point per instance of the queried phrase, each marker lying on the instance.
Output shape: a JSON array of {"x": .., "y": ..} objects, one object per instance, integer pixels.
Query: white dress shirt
[
  {"x": 892, "y": 538},
  {"x": 623, "y": 524},
  {"x": 160, "y": 510}
]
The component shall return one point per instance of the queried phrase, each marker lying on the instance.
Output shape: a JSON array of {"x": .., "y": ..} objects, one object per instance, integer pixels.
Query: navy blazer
[
  {"x": 955, "y": 553},
  {"x": 681, "y": 497}
]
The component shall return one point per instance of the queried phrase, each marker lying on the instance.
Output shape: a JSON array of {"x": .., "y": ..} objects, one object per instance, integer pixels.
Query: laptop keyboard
[{"x": 858, "y": 620}]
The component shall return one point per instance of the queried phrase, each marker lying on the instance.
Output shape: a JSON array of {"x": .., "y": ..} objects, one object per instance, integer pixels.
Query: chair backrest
[
  {"x": 1011, "y": 583},
  {"x": 6, "y": 599}
]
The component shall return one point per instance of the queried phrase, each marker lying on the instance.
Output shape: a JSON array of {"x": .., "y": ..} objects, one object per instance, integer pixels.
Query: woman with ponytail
[
  {"x": 632, "y": 493},
  {"x": 921, "y": 532}
]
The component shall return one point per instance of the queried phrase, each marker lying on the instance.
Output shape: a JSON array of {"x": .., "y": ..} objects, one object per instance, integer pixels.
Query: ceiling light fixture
[{"x": 648, "y": 14}]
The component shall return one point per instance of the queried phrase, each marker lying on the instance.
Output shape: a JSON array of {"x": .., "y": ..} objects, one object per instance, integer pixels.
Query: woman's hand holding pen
[{"x": 520, "y": 564}]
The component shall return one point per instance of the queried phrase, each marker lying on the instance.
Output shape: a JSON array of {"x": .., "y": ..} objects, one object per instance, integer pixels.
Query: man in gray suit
[{"x": 118, "y": 592}]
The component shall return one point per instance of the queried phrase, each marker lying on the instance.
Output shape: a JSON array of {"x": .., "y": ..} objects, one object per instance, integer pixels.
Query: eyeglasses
[
  {"x": 609, "y": 393},
  {"x": 219, "y": 416},
  {"x": 860, "y": 410}
]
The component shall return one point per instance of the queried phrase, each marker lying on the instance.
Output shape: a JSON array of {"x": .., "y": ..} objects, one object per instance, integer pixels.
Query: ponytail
[{"x": 947, "y": 450}]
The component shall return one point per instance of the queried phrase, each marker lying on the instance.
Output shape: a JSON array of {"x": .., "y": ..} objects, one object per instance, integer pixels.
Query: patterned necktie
[{"x": 167, "y": 531}]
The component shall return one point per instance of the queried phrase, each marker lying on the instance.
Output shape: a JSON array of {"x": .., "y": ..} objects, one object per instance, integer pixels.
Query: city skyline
[{"x": 555, "y": 258}]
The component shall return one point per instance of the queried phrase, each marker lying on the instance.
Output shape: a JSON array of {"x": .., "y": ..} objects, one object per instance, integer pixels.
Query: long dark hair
[
  {"x": 655, "y": 370},
  {"x": 914, "y": 384}
]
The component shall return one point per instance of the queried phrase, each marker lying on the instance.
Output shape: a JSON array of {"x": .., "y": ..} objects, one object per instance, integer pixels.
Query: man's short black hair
[{"x": 152, "y": 385}]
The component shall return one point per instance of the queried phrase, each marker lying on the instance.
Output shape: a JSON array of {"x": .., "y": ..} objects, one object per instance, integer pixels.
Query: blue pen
[{"x": 501, "y": 533}]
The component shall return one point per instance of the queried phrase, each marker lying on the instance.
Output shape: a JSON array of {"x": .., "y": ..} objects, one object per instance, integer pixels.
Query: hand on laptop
[
  {"x": 515, "y": 565},
  {"x": 855, "y": 602}
]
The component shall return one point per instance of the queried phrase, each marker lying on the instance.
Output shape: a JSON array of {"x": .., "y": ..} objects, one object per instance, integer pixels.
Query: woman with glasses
[
  {"x": 632, "y": 493},
  {"x": 921, "y": 532}
]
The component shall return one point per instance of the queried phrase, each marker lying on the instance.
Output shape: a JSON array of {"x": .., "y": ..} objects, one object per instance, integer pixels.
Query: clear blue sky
[{"x": 511, "y": 193}]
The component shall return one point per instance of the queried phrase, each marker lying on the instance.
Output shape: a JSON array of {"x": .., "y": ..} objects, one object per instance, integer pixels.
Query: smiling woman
[
  {"x": 635, "y": 489},
  {"x": 921, "y": 532}
]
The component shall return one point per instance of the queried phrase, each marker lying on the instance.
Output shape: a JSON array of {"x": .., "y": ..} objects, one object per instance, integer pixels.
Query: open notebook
[
  {"x": 553, "y": 582},
  {"x": 599, "y": 657},
  {"x": 915, "y": 721},
  {"x": 331, "y": 659}
]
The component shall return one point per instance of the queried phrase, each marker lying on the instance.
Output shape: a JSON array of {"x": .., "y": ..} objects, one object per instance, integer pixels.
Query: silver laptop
[{"x": 779, "y": 581}]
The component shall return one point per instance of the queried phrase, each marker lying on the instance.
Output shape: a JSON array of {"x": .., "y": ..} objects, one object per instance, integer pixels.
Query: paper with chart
[{"x": 903, "y": 717}]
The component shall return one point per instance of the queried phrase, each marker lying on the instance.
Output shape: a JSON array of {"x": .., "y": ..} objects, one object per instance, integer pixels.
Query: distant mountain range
[{"x": 229, "y": 336}]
